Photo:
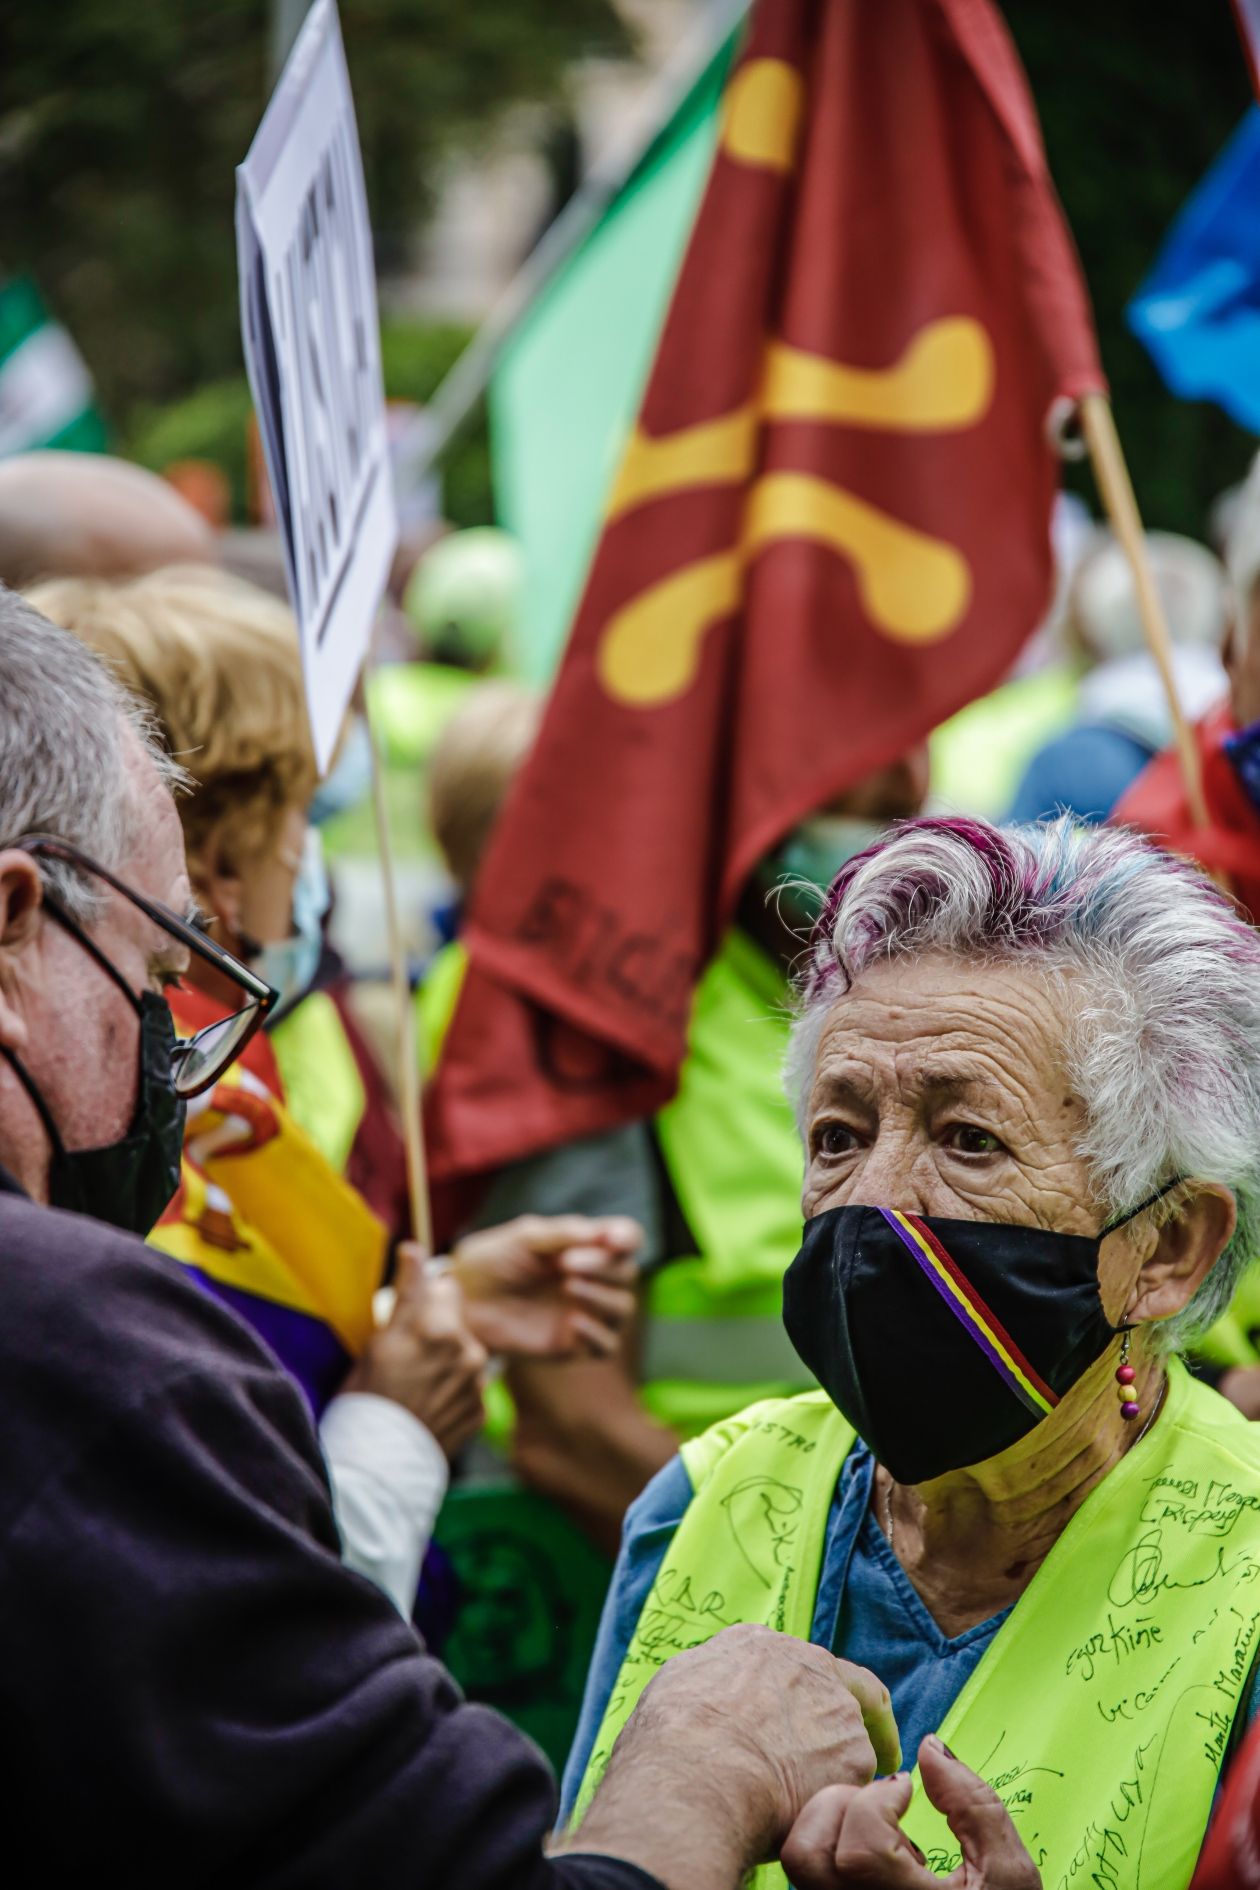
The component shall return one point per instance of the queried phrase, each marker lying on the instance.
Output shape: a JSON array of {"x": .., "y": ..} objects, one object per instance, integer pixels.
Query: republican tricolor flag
[{"x": 830, "y": 530}]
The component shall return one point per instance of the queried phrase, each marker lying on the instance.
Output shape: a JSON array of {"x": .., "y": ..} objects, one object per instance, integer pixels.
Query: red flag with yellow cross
[{"x": 830, "y": 530}]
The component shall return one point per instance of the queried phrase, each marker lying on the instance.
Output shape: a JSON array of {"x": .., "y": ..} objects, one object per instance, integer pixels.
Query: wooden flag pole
[
  {"x": 1116, "y": 488},
  {"x": 404, "y": 1022}
]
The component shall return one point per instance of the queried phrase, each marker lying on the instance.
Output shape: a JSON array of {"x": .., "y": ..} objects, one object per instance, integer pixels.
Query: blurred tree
[
  {"x": 121, "y": 126},
  {"x": 120, "y": 129},
  {"x": 211, "y": 422},
  {"x": 1136, "y": 101}
]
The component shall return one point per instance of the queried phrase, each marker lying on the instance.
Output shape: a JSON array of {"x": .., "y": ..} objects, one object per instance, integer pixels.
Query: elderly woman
[{"x": 1027, "y": 1066}]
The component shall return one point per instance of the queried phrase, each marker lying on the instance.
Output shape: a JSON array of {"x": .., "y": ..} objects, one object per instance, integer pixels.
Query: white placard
[{"x": 312, "y": 348}]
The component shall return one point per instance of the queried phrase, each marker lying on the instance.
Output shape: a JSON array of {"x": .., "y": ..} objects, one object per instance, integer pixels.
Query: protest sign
[{"x": 312, "y": 348}]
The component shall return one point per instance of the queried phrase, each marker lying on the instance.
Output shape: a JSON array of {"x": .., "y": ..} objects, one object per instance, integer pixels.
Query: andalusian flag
[
  {"x": 45, "y": 389},
  {"x": 829, "y": 531}
]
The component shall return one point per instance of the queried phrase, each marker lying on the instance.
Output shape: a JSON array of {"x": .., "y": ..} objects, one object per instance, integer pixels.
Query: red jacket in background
[{"x": 1230, "y": 845}]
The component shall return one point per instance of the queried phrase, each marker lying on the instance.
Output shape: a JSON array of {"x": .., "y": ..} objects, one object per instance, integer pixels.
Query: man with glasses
[
  {"x": 194, "y": 1686},
  {"x": 129, "y": 1181}
]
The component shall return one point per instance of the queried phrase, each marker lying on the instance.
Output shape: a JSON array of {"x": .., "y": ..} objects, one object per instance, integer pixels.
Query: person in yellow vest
[
  {"x": 714, "y": 1179},
  {"x": 1026, "y": 1069},
  {"x": 262, "y": 1219}
]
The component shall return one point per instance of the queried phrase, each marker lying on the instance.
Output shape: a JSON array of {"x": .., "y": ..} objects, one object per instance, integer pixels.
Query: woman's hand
[
  {"x": 426, "y": 1359},
  {"x": 558, "y": 1286},
  {"x": 850, "y": 1837}
]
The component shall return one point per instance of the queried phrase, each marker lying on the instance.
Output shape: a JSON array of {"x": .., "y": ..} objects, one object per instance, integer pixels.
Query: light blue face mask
[
  {"x": 815, "y": 850},
  {"x": 291, "y": 963},
  {"x": 350, "y": 781}
]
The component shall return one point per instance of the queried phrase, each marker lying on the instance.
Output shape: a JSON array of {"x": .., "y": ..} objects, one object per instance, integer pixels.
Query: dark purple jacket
[{"x": 193, "y": 1689}]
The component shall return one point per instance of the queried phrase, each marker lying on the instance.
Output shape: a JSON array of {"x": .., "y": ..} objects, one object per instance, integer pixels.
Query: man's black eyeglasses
[{"x": 200, "y": 1060}]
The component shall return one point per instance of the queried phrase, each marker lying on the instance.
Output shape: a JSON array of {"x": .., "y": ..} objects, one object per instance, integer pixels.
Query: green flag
[
  {"x": 566, "y": 388},
  {"x": 45, "y": 389}
]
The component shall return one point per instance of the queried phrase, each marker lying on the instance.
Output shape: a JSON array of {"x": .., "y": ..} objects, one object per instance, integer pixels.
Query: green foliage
[
  {"x": 121, "y": 127},
  {"x": 212, "y": 422},
  {"x": 467, "y": 483},
  {"x": 209, "y": 424},
  {"x": 415, "y": 358},
  {"x": 1136, "y": 101}
]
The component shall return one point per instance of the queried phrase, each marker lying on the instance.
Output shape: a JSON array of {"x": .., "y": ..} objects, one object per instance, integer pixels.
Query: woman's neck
[{"x": 972, "y": 1541}]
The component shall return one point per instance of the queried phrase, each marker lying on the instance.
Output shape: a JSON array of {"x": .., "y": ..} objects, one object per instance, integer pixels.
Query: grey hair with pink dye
[{"x": 1162, "y": 979}]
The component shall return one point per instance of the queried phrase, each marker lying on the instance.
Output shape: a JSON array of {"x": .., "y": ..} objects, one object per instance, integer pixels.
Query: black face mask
[
  {"x": 943, "y": 1342},
  {"x": 130, "y": 1181}
]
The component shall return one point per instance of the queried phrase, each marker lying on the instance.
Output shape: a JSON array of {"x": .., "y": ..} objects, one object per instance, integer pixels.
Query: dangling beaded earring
[{"x": 1125, "y": 1375}]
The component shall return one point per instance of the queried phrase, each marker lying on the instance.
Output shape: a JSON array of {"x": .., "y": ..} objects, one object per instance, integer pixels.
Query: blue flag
[{"x": 1198, "y": 312}]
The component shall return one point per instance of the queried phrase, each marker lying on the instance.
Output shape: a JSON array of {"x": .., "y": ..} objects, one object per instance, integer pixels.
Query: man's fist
[
  {"x": 791, "y": 1716},
  {"x": 724, "y": 1750}
]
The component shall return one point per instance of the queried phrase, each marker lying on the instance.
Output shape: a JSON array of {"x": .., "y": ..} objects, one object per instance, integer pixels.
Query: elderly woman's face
[{"x": 940, "y": 1088}]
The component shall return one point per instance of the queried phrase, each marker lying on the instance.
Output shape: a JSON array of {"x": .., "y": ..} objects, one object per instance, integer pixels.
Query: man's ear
[
  {"x": 216, "y": 883},
  {"x": 1187, "y": 1249},
  {"x": 21, "y": 896}
]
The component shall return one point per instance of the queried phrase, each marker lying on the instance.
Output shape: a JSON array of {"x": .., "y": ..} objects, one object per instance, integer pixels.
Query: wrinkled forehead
[{"x": 946, "y": 1022}]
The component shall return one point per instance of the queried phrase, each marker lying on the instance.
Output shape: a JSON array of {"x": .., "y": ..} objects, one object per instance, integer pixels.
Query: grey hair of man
[
  {"x": 1161, "y": 979},
  {"x": 65, "y": 720}
]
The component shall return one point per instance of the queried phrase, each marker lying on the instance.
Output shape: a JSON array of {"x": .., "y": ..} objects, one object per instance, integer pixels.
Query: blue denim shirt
[{"x": 866, "y": 1610}]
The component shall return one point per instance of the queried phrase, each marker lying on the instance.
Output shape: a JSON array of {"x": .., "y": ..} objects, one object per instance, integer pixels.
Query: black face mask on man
[
  {"x": 129, "y": 1181},
  {"x": 944, "y": 1342}
]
